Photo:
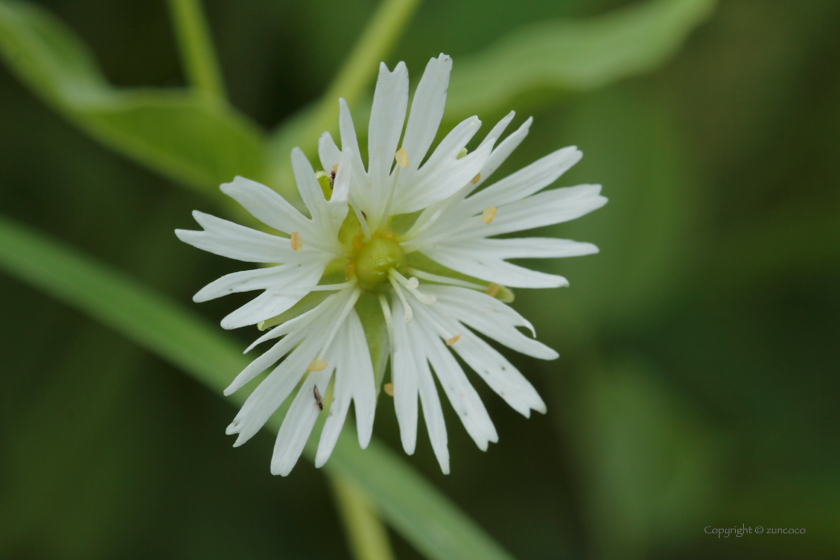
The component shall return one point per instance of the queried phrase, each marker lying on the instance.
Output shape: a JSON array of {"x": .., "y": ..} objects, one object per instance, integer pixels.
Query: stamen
[
  {"x": 317, "y": 365},
  {"x": 453, "y": 340},
  {"x": 492, "y": 289},
  {"x": 401, "y": 157},
  {"x": 444, "y": 279},
  {"x": 389, "y": 389},
  {"x": 462, "y": 153},
  {"x": 408, "y": 315},
  {"x": 488, "y": 214},
  {"x": 411, "y": 285},
  {"x": 386, "y": 311},
  {"x": 296, "y": 242},
  {"x": 476, "y": 179}
]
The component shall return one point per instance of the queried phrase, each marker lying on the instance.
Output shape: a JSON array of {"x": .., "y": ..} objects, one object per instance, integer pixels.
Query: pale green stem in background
[
  {"x": 196, "y": 48},
  {"x": 303, "y": 130},
  {"x": 365, "y": 532}
]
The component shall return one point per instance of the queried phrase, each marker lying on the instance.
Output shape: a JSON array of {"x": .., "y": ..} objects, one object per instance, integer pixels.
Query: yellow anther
[
  {"x": 476, "y": 179},
  {"x": 358, "y": 241},
  {"x": 317, "y": 365},
  {"x": 296, "y": 242},
  {"x": 492, "y": 289},
  {"x": 389, "y": 235},
  {"x": 453, "y": 340},
  {"x": 389, "y": 389},
  {"x": 402, "y": 158},
  {"x": 488, "y": 214}
]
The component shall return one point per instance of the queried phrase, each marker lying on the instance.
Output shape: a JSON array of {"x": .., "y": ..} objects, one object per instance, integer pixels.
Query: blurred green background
[{"x": 699, "y": 350}]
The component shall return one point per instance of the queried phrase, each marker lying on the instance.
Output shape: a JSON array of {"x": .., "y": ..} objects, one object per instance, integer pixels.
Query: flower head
[{"x": 416, "y": 232}]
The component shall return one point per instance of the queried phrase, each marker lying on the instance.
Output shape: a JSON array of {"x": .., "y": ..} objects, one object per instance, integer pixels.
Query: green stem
[
  {"x": 365, "y": 532},
  {"x": 196, "y": 48}
]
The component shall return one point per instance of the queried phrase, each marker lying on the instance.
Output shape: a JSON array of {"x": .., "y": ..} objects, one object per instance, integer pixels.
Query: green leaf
[
  {"x": 645, "y": 456},
  {"x": 185, "y": 136},
  {"x": 568, "y": 56},
  {"x": 416, "y": 509}
]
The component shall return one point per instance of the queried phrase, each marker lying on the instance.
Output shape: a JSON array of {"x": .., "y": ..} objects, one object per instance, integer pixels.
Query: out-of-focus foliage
[{"x": 696, "y": 385}]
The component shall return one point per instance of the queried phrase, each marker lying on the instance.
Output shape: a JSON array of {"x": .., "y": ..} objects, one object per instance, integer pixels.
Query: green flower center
[{"x": 373, "y": 261}]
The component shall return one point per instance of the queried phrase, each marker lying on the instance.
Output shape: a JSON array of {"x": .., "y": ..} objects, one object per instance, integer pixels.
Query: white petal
[
  {"x": 270, "y": 394},
  {"x": 298, "y": 423},
  {"x": 404, "y": 376},
  {"x": 328, "y": 152},
  {"x": 433, "y": 413},
  {"x": 490, "y": 317},
  {"x": 342, "y": 394},
  {"x": 492, "y": 270},
  {"x": 499, "y": 374},
  {"x": 526, "y": 181},
  {"x": 348, "y": 140},
  {"x": 264, "y": 361},
  {"x": 267, "y": 206},
  {"x": 426, "y": 110},
  {"x": 270, "y": 303},
  {"x": 364, "y": 386},
  {"x": 503, "y": 150},
  {"x": 387, "y": 117},
  {"x": 531, "y": 248},
  {"x": 275, "y": 277},
  {"x": 444, "y": 174},
  {"x": 458, "y": 389},
  {"x": 233, "y": 241},
  {"x": 547, "y": 208},
  {"x": 307, "y": 184}
]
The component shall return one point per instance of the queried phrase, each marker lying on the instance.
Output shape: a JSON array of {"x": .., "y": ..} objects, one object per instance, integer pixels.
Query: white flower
[{"x": 413, "y": 218}]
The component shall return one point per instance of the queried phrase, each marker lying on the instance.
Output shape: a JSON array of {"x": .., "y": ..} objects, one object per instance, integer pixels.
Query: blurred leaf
[
  {"x": 572, "y": 55},
  {"x": 184, "y": 136},
  {"x": 416, "y": 509},
  {"x": 632, "y": 147},
  {"x": 645, "y": 459}
]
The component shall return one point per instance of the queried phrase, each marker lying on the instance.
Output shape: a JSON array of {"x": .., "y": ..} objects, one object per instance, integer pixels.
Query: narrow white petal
[
  {"x": 544, "y": 209},
  {"x": 387, "y": 117},
  {"x": 274, "y": 277},
  {"x": 342, "y": 394},
  {"x": 503, "y": 150},
  {"x": 499, "y": 374},
  {"x": 270, "y": 304},
  {"x": 440, "y": 178},
  {"x": 433, "y": 413},
  {"x": 233, "y": 241},
  {"x": 364, "y": 386},
  {"x": 348, "y": 140},
  {"x": 298, "y": 423},
  {"x": 426, "y": 110},
  {"x": 490, "y": 317},
  {"x": 272, "y": 392},
  {"x": 328, "y": 152},
  {"x": 493, "y": 270},
  {"x": 531, "y": 248},
  {"x": 404, "y": 375},
  {"x": 308, "y": 185},
  {"x": 461, "y": 394},
  {"x": 497, "y": 131},
  {"x": 526, "y": 181},
  {"x": 267, "y": 206},
  {"x": 264, "y": 361}
]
